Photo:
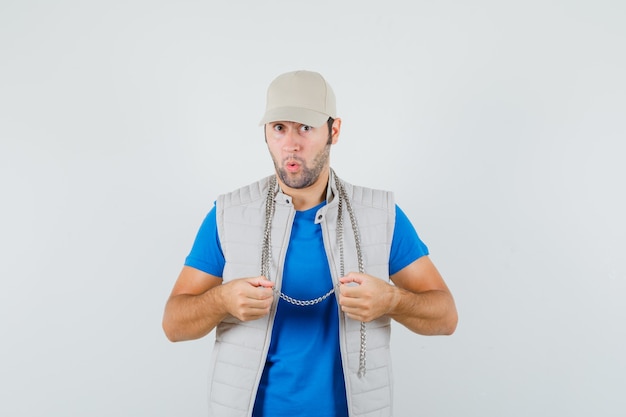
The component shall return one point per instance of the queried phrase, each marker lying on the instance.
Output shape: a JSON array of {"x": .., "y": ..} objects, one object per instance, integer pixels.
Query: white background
[{"x": 500, "y": 125}]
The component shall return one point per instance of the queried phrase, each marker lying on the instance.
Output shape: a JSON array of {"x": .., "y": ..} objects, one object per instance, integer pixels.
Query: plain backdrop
[{"x": 500, "y": 126}]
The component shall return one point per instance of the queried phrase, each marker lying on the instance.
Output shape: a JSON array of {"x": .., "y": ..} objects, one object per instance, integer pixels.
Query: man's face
[{"x": 300, "y": 152}]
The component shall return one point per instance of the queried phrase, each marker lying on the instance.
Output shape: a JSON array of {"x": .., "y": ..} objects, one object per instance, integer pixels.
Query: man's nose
[{"x": 292, "y": 142}]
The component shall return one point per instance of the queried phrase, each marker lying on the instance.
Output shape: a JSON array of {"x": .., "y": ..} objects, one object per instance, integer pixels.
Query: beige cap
[{"x": 300, "y": 96}]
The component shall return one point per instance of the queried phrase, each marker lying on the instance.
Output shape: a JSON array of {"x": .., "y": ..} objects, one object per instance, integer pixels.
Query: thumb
[{"x": 262, "y": 282}]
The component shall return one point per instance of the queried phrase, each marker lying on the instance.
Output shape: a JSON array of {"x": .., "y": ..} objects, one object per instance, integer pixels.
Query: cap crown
[{"x": 300, "y": 96}]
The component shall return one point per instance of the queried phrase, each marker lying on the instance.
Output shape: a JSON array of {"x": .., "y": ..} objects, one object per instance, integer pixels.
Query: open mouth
[{"x": 292, "y": 166}]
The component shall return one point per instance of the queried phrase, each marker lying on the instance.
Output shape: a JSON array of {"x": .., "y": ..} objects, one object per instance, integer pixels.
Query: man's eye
[
  {"x": 278, "y": 127},
  {"x": 306, "y": 128}
]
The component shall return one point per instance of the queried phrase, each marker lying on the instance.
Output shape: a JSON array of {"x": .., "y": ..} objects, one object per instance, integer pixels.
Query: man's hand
[
  {"x": 247, "y": 298},
  {"x": 366, "y": 298}
]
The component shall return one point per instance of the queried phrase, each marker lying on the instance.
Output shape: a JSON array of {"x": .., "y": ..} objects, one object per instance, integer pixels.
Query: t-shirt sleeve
[
  {"x": 206, "y": 252},
  {"x": 406, "y": 246}
]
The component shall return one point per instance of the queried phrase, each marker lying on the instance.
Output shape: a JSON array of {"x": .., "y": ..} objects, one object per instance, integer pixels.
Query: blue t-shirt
[{"x": 303, "y": 372}]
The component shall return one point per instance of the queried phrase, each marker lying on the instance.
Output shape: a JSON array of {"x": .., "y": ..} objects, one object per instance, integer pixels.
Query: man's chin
[{"x": 295, "y": 181}]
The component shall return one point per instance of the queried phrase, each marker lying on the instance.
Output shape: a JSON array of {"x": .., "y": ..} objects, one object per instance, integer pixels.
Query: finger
[
  {"x": 352, "y": 313},
  {"x": 266, "y": 283},
  {"x": 350, "y": 290},
  {"x": 256, "y": 304},
  {"x": 351, "y": 277},
  {"x": 349, "y": 300},
  {"x": 261, "y": 282},
  {"x": 260, "y": 293}
]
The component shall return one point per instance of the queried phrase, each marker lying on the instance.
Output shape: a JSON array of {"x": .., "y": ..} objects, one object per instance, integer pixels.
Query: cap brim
[{"x": 294, "y": 114}]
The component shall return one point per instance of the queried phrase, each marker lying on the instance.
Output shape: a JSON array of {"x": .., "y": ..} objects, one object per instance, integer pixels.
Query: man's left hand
[{"x": 365, "y": 298}]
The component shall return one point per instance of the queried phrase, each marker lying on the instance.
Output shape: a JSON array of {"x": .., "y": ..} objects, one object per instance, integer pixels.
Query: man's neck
[{"x": 311, "y": 196}]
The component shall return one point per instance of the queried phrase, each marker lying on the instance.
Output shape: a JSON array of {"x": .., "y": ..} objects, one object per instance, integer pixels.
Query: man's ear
[{"x": 335, "y": 129}]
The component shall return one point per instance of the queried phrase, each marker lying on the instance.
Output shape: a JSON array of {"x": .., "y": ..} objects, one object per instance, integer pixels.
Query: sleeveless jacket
[{"x": 241, "y": 347}]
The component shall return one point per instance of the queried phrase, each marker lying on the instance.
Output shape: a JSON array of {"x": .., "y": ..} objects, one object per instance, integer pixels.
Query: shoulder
[
  {"x": 241, "y": 212},
  {"x": 248, "y": 194},
  {"x": 371, "y": 197}
]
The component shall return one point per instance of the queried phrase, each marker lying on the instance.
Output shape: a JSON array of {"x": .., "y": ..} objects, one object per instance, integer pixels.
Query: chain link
[{"x": 303, "y": 303}]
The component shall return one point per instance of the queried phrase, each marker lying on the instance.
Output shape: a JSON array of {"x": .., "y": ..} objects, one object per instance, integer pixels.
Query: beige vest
[{"x": 241, "y": 347}]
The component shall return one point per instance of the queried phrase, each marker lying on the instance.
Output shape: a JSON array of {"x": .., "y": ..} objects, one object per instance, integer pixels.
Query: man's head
[
  {"x": 300, "y": 126},
  {"x": 300, "y": 96}
]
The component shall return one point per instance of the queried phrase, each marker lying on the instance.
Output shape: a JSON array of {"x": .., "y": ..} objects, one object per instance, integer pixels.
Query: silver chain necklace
[{"x": 266, "y": 254}]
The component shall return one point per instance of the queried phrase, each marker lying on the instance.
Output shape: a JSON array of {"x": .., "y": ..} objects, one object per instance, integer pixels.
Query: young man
[{"x": 300, "y": 274}]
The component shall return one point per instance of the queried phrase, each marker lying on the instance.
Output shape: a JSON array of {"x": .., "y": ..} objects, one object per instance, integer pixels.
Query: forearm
[
  {"x": 429, "y": 313},
  {"x": 190, "y": 317}
]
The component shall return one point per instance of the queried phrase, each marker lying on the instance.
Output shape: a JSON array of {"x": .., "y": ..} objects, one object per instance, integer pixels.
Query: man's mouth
[{"x": 292, "y": 166}]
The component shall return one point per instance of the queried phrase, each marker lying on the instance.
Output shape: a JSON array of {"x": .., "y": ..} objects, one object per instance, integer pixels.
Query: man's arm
[
  {"x": 420, "y": 299},
  {"x": 199, "y": 302},
  {"x": 425, "y": 304}
]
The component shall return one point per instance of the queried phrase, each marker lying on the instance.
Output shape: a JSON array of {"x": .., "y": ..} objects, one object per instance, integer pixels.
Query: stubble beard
[{"x": 307, "y": 175}]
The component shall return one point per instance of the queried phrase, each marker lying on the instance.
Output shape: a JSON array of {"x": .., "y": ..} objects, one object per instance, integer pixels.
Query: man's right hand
[
  {"x": 200, "y": 301},
  {"x": 247, "y": 298}
]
